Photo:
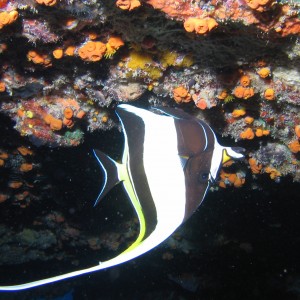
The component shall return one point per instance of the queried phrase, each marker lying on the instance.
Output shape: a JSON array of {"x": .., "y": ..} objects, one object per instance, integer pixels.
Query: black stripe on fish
[{"x": 134, "y": 129}]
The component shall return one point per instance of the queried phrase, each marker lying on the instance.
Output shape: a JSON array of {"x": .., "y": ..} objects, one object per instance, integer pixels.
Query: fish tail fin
[{"x": 112, "y": 172}]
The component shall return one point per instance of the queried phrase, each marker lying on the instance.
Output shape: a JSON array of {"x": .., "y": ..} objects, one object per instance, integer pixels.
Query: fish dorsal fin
[
  {"x": 110, "y": 170},
  {"x": 172, "y": 112}
]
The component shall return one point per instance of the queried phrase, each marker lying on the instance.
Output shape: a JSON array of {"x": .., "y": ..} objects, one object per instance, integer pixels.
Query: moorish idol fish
[{"x": 169, "y": 159}]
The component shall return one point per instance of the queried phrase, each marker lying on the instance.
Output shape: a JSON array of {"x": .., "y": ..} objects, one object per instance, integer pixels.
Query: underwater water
[
  {"x": 65, "y": 65},
  {"x": 240, "y": 244}
]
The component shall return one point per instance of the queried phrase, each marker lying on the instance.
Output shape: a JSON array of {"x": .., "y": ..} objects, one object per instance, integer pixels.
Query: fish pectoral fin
[
  {"x": 183, "y": 160},
  {"x": 111, "y": 172}
]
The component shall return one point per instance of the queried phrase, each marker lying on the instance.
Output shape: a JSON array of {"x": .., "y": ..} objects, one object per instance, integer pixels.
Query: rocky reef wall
[{"x": 65, "y": 64}]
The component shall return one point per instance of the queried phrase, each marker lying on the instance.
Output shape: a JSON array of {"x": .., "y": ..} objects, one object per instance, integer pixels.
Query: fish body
[{"x": 168, "y": 161}]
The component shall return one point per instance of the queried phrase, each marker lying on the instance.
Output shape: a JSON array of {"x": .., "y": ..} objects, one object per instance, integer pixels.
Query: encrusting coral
[
  {"x": 181, "y": 94},
  {"x": 128, "y": 4},
  {"x": 7, "y": 18},
  {"x": 39, "y": 58},
  {"x": 172, "y": 53},
  {"x": 200, "y": 26},
  {"x": 46, "y": 2},
  {"x": 247, "y": 134},
  {"x": 92, "y": 51}
]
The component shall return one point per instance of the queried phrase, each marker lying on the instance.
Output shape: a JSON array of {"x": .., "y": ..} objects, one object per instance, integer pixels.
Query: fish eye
[{"x": 203, "y": 177}]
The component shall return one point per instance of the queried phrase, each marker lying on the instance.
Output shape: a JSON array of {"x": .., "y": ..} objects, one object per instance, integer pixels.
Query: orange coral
[
  {"x": 200, "y": 26},
  {"x": 58, "y": 53},
  {"x": 291, "y": 26},
  {"x": 248, "y": 93},
  {"x": 46, "y": 2},
  {"x": 243, "y": 92},
  {"x": 261, "y": 63},
  {"x": 239, "y": 91},
  {"x": 113, "y": 44},
  {"x": 222, "y": 184},
  {"x": 3, "y": 155},
  {"x": 68, "y": 102},
  {"x": 247, "y": 134},
  {"x": 93, "y": 35},
  {"x": 3, "y": 197},
  {"x": 266, "y": 132},
  {"x": 104, "y": 118},
  {"x": 7, "y": 18},
  {"x": 252, "y": 3},
  {"x": 68, "y": 112},
  {"x": 273, "y": 172},
  {"x": 239, "y": 182},
  {"x": 2, "y": 86},
  {"x": 231, "y": 179},
  {"x": 269, "y": 94},
  {"x": 26, "y": 167},
  {"x": 294, "y": 146},
  {"x": 48, "y": 118},
  {"x": 71, "y": 23},
  {"x": 21, "y": 196},
  {"x": 228, "y": 177},
  {"x": 128, "y": 4},
  {"x": 181, "y": 94},
  {"x": 21, "y": 113},
  {"x": 25, "y": 151},
  {"x": 68, "y": 115},
  {"x": 261, "y": 132},
  {"x": 238, "y": 113},
  {"x": 255, "y": 167},
  {"x": 92, "y": 51},
  {"x": 249, "y": 120},
  {"x": 68, "y": 122},
  {"x": 3, "y": 47},
  {"x": 264, "y": 72},
  {"x": 228, "y": 163},
  {"x": 245, "y": 80},
  {"x": 80, "y": 114},
  {"x": 259, "y": 5},
  {"x": 247, "y": 11},
  {"x": 70, "y": 51},
  {"x": 201, "y": 103},
  {"x": 39, "y": 58},
  {"x": 297, "y": 130},
  {"x": 15, "y": 184},
  {"x": 55, "y": 124},
  {"x": 223, "y": 94},
  {"x": 3, "y": 3}
]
